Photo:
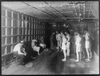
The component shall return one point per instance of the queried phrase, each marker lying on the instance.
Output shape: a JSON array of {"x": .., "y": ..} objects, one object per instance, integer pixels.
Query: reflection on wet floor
[{"x": 71, "y": 66}]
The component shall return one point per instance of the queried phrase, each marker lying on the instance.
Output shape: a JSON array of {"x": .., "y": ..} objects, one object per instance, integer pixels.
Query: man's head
[
  {"x": 56, "y": 32},
  {"x": 41, "y": 40},
  {"x": 76, "y": 33},
  {"x": 22, "y": 41},
  {"x": 66, "y": 33},
  {"x": 34, "y": 42}
]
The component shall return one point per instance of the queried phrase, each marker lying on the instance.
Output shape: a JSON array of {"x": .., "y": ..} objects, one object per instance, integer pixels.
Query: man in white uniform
[
  {"x": 41, "y": 43},
  {"x": 37, "y": 48},
  {"x": 19, "y": 51},
  {"x": 34, "y": 46}
]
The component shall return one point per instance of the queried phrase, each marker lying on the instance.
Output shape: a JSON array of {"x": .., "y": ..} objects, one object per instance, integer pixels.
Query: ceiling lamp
[
  {"x": 64, "y": 25},
  {"x": 54, "y": 25}
]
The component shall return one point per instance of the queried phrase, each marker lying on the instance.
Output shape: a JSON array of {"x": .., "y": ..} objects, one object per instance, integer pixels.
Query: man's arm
[{"x": 22, "y": 51}]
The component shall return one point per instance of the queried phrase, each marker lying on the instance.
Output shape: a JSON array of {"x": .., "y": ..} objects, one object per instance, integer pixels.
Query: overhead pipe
[{"x": 38, "y": 9}]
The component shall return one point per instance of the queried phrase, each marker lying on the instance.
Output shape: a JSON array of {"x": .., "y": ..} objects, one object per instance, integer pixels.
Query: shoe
[
  {"x": 77, "y": 60},
  {"x": 29, "y": 65},
  {"x": 63, "y": 59},
  {"x": 87, "y": 59}
]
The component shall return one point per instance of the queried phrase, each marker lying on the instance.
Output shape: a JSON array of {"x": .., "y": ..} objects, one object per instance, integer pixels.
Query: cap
[
  {"x": 22, "y": 41},
  {"x": 34, "y": 40}
]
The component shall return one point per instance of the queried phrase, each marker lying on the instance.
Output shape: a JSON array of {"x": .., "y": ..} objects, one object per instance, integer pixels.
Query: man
[
  {"x": 41, "y": 43},
  {"x": 58, "y": 38},
  {"x": 19, "y": 52},
  {"x": 78, "y": 45},
  {"x": 31, "y": 54},
  {"x": 68, "y": 43},
  {"x": 37, "y": 48},
  {"x": 63, "y": 47},
  {"x": 51, "y": 41},
  {"x": 87, "y": 45}
]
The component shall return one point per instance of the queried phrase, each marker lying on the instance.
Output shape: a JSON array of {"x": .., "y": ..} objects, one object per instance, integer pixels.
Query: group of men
[
  {"x": 61, "y": 41},
  {"x": 64, "y": 41},
  {"x": 28, "y": 51}
]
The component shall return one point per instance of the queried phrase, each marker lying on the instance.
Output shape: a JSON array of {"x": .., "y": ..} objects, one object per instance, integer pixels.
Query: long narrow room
[{"x": 49, "y": 37}]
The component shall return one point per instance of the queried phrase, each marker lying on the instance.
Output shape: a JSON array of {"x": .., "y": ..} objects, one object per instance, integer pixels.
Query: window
[
  {"x": 3, "y": 12},
  {"x": 8, "y": 40},
  {"x": 3, "y": 40},
  {"x": 11, "y": 39},
  {"x": 20, "y": 16},
  {"x": 15, "y": 23},
  {"x": 8, "y": 22},
  {"x": 19, "y": 38},
  {"x": 25, "y": 38},
  {"x": 27, "y": 18},
  {"x": 3, "y": 31},
  {"x": 9, "y": 31},
  {"x": 15, "y": 15},
  {"x": 9, "y": 49},
  {"x": 3, "y": 21},
  {"x": 3, "y": 50},
  {"x": 25, "y": 31},
  {"x": 14, "y": 39},
  {"x": 9, "y": 14},
  {"x": 28, "y": 31},
  {"x": 21, "y": 23},
  {"x": 31, "y": 32},
  {"x": 15, "y": 31},
  {"x": 34, "y": 26},
  {"x": 23, "y": 17},
  {"x": 28, "y": 38},
  {"x": 25, "y": 24},
  {"x": 20, "y": 31}
]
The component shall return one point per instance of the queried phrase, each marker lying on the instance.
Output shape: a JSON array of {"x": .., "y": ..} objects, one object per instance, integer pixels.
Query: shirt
[
  {"x": 42, "y": 45},
  {"x": 58, "y": 37},
  {"x": 17, "y": 48},
  {"x": 37, "y": 49}
]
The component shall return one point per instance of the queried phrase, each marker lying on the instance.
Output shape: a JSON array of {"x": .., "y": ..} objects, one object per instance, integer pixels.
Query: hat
[
  {"x": 34, "y": 40},
  {"x": 22, "y": 41}
]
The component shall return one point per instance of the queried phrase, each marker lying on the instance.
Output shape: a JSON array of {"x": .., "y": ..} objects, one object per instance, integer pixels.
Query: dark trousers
[
  {"x": 21, "y": 57},
  {"x": 30, "y": 55}
]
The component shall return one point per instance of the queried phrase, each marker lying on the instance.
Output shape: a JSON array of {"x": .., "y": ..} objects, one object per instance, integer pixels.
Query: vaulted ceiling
[{"x": 54, "y": 10}]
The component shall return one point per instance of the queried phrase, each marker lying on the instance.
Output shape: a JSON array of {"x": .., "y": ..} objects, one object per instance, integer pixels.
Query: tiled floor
[{"x": 52, "y": 64}]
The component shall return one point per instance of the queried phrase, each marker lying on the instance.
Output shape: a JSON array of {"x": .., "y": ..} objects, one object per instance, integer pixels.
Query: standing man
[
  {"x": 68, "y": 43},
  {"x": 51, "y": 41},
  {"x": 63, "y": 47},
  {"x": 78, "y": 45},
  {"x": 58, "y": 38},
  {"x": 88, "y": 45}
]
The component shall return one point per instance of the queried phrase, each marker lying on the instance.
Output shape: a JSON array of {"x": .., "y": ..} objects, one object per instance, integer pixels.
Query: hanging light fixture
[{"x": 64, "y": 25}]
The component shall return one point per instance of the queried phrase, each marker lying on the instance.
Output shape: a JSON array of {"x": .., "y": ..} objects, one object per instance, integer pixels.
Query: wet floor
[
  {"x": 53, "y": 64},
  {"x": 70, "y": 66}
]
